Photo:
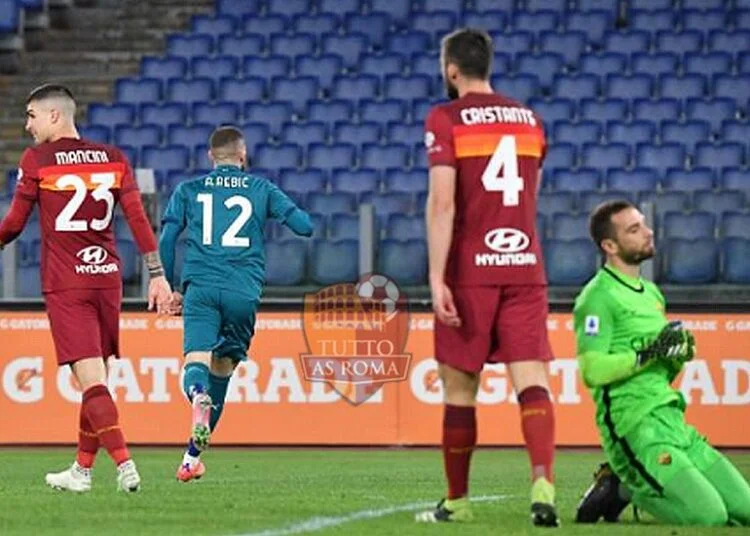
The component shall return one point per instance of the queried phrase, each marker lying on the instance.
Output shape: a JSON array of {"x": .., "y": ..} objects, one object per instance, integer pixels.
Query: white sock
[
  {"x": 85, "y": 471},
  {"x": 192, "y": 461}
]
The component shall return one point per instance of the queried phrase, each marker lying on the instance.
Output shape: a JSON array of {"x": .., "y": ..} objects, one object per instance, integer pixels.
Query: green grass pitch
[{"x": 295, "y": 492}]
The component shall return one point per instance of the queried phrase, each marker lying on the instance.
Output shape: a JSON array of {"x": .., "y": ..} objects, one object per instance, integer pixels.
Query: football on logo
[
  {"x": 93, "y": 255},
  {"x": 379, "y": 288}
]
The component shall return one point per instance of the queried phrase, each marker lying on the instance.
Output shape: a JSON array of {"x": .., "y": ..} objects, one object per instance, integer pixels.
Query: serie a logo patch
[{"x": 591, "y": 325}]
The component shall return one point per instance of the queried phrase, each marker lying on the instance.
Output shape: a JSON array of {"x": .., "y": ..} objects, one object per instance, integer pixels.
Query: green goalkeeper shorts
[{"x": 661, "y": 446}]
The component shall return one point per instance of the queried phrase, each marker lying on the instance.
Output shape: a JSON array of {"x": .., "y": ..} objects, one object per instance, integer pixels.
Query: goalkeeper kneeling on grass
[{"x": 629, "y": 355}]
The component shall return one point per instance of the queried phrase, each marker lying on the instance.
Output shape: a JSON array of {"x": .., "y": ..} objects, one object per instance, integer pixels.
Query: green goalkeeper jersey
[{"x": 614, "y": 317}]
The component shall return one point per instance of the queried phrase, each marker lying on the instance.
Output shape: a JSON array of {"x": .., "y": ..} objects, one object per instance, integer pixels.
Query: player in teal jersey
[
  {"x": 224, "y": 215},
  {"x": 629, "y": 354}
]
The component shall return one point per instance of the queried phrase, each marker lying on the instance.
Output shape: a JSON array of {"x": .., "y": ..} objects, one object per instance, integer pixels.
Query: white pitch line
[{"x": 315, "y": 524}]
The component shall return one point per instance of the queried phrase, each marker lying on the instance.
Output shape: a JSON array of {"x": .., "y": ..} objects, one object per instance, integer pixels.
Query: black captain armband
[{"x": 154, "y": 265}]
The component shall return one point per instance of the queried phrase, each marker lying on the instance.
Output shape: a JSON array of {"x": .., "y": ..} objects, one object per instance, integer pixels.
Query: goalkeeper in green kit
[{"x": 629, "y": 354}]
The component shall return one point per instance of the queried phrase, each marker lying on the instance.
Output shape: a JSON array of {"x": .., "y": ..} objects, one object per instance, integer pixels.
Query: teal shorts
[{"x": 218, "y": 321}]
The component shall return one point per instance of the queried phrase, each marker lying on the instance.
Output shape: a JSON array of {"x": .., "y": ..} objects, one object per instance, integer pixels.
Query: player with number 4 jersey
[
  {"x": 224, "y": 215},
  {"x": 77, "y": 184},
  {"x": 486, "y": 269}
]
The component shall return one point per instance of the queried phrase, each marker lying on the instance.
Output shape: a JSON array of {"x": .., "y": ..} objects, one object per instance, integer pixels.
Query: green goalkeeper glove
[{"x": 674, "y": 344}]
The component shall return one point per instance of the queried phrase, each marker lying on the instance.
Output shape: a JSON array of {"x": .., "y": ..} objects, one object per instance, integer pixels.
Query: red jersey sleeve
[
  {"x": 128, "y": 180},
  {"x": 27, "y": 192},
  {"x": 27, "y": 184},
  {"x": 132, "y": 207},
  {"x": 438, "y": 138}
]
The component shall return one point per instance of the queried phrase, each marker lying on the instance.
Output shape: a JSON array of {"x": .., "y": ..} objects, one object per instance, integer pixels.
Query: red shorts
[
  {"x": 84, "y": 323},
  {"x": 499, "y": 325}
]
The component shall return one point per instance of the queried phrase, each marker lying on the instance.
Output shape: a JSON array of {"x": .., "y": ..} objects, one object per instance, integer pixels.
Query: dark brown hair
[
  {"x": 46, "y": 91},
  {"x": 224, "y": 137},
  {"x": 600, "y": 221},
  {"x": 470, "y": 49}
]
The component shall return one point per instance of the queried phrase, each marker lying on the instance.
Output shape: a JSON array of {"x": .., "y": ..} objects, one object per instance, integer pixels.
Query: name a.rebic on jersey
[
  {"x": 508, "y": 245},
  {"x": 227, "y": 182}
]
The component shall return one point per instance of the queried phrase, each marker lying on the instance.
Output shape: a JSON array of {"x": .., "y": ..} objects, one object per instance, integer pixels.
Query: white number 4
[{"x": 504, "y": 160}]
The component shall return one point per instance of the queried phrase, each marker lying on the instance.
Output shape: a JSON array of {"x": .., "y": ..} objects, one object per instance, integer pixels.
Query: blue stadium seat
[
  {"x": 488, "y": 5},
  {"x": 409, "y": 43},
  {"x": 542, "y": 21},
  {"x": 129, "y": 260},
  {"x": 613, "y": 155},
  {"x": 331, "y": 203},
  {"x": 356, "y": 182},
  {"x": 591, "y": 200},
  {"x": 665, "y": 202},
  {"x": 215, "y": 26},
  {"x": 704, "y": 21},
  {"x": 374, "y": 26},
  {"x": 350, "y": 47},
  {"x": 689, "y": 226},
  {"x": 325, "y": 67},
  {"x": 541, "y": 5},
  {"x": 714, "y": 111},
  {"x": 736, "y": 88},
  {"x": 657, "y": 111},
  {"x": 221, "y": 113},
  {"x": 331, "y": 111},
  {"x": 691, "y": 262},
  {"x": 111, "y": 115},
  {"x": 266, "y": 26},
  {"x": 190, "y": 91},
  {"x": 338, "y": 155},
  {"x": 297, "y": 91},
  {"x": 578, "y": 133},
  {"x": 278, "y": 156},
  {"x": 582, "y": 180},
  {"x": 317, "y": 25},
  {"x": 726, "y": 155},
  {"x": 404, "y": 227},
  {"x": 28, "y": 284},
  {"x": 388, "y": 204},
  {"x": 719, "y": 202},
  {"x": 544, "y": 66},
  {"x": 570, "y": 262},
  {"x": 660, "y": 157},
  {"x": 163, "y": 68},
  {"x": 215, "y": 67},
  {"x": 689, "y": 181},
  {"x": 238, "y": 8},
  {"x": 452, "y": 6},
  {"x": 274, "y": 114},
  {"x": 302, "y": 182},
  {"x": 398, "y": 9},
  {"x": 96, "y": 133},
  {"x": 165, "y": 158},
  {"x": 292, "y": 45},
  {"x": 736, "y": 179},
  {"x": 340, "y": 7},
  {"x": 558, "y": 202},
  {"x": 594, "y": 24},
  {"x": 570, "y": 44},
  {"x": 636, "y": 86},
  {"x": 382, "y": 112},
  {"x": 201, "y": 160},
  {"x": 289, "y": 8},
  {"x": 141, "y": 91},
  {"x": 407, "y": 134},
  {"x": 628, "y": 42},
  {"x": 285, "y": 262},
  {"x": 679, "y": 42},
  {"x": 419, "y": 157},
  {"x": 569, "y": 226},
  {"x": 731, "y": 42},
  {"x": 604, "y": 64},
  {"x": 743, "y": 59},
  {"x": 255, "y": 134},
  {"x": 403, "y": 261},
  {"x": 305, "y": 134},
  {"x": 736, "y": 252},
  {"x": 335, "y": 262},
  {"x": 392, "y": 155},
  {"x": 241, "y": 46},
  {"x": 132, "y": 154},
  {"x": 489, "y": 21},
  {"x": 241, "y": 91},
  {"x": 420, "y": 109},
  {"x": 344, "y": 227},
  {"x": 553, "y": 110},
  {"x": 656, "y": 64},
  {"x": 560, "y": 156},
  {"x": 652, "y": 21},
  {"x": 382, "y": 64},
  {"x": 604, "y": 111},
  {"x": 416, "y": 86},
  {"x": 735, "y": 225},
  {"x": 411, "y": 182},
  {"x": 688, "y": 86},
  {"x": 709, "y": 64},
  {"x": 521, "y": 87},
  {"x": 634, "y": 132},
  {"x": 427, "y": 63},
  {"x": 689, "y": 133},
  {"x": 703, "y": 5},
  {"x": 635, "y": 180},
  {"x": 138, "y": 136},
  {"x": 189, "y": 46},
  {"x": 359, "y": 87},
  {"x": 357, "y": 133},
  {"x": 513, "y": 43},
  {"x": 735, "y": 131}
]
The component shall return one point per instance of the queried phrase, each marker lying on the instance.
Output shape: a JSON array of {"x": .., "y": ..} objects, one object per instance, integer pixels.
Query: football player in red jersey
[
  {"x": 77, "y": 184},
  {"x": 486, "y": 270}
]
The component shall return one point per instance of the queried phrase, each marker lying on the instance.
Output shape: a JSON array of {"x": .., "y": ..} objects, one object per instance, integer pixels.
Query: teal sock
[
  {"x": 195, "y": 379},
  {"x": 217, "y": 389}
]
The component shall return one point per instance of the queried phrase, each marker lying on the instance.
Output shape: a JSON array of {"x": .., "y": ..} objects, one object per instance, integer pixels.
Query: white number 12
[
  {"x": 229, "y": 238},
  {"x": 504, "y": 160}
]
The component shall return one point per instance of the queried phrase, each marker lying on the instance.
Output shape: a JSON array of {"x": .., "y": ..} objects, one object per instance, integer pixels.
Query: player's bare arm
[
  {"x": 159, "y": 291},
  {"x": 440, "y": 213}
]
